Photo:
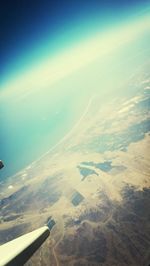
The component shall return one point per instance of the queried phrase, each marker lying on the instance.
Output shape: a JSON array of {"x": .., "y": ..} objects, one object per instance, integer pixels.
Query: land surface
[{"x": 95, "y": 184}]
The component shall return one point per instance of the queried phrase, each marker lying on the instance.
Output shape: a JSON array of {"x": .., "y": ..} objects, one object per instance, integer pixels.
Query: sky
[
  {"x": 32, "y": 30},
  {"x": 55, "y": 55}
]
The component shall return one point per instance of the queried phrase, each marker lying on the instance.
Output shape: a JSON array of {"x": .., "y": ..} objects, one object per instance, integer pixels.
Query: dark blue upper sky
[{"x": 29, "y": 28}]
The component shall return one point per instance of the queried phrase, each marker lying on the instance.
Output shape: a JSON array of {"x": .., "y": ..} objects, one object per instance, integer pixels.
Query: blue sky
[{"x": 31, "y": 30}]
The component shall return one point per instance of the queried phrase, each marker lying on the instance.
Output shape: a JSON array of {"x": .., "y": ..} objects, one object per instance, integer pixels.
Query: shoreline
[{"x": 29, "y": 166}]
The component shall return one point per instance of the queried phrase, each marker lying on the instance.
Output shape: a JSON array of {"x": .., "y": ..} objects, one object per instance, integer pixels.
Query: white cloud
[{"x": 10, "y": 187}]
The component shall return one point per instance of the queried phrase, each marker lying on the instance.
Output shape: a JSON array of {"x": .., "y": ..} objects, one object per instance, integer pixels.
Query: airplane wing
[{"x": 19, "y": 250}]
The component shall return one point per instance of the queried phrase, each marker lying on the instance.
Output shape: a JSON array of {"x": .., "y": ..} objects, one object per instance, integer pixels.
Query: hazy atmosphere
[{"x": 75, "y": 125}]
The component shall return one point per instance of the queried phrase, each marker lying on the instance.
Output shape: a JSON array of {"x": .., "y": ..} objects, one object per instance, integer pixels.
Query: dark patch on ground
[
  {"x": 112, "y": 142},
  {"x": 13, "y": 232},
  {"x": 99, "y": 214},
  {"x": 84, "y": 171},
  {"x": 123, "y": 236},
  {"x": 45, "y": 194},
  {"x": 76, "y": 198},
  {"x": 121, "y": 140},
  {"x": 138, "y": 200},
  {"x": 106, "y": 166},
  {"x": 11, "y": 218},
  {"x": 80, "y": 246},
  {"x": 14, "y": 196},
  {"x": 130, "y": 225},
  {"x": 48, "y": 193}
]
